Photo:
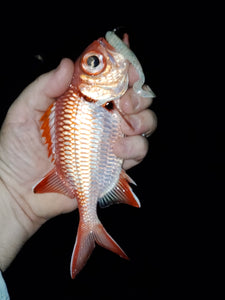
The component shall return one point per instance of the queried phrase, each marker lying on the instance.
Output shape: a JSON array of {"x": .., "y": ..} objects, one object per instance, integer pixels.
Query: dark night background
[{"x": 164, "y": 239}]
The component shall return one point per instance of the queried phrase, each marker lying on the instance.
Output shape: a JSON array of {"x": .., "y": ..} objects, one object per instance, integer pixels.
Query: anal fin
[
  {"x": 51, "y": 183},
  {"x": 121, "y": 193}
]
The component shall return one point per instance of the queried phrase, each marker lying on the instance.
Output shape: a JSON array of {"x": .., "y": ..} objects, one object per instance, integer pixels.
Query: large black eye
[{"x": 93, "y": 61}]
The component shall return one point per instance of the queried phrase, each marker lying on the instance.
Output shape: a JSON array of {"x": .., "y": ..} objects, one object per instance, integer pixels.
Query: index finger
[
  {"x": 131, "y": 102},
  {"x": 133, "y": 75}
]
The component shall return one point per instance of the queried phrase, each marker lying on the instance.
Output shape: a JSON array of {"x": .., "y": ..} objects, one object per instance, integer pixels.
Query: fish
[{"x": 80, "y": 129}]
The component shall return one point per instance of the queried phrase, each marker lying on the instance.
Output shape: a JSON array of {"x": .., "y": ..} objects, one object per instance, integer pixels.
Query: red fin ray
[
  {"x": 52, "y": 183},
  {"x": 85, "y": 244},
  {"x": 46, "y": 128},
  {"x": 83, "y": 248},
  {"x": 104, "y": 240},
  {"x": 121, "y": 193}
]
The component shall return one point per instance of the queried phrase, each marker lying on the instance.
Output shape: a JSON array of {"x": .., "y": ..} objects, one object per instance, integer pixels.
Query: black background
[{"x": 168, "y": 238}]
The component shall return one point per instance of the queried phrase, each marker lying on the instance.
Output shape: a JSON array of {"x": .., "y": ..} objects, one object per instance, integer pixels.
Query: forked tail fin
[{"x": 85, "y": 244}]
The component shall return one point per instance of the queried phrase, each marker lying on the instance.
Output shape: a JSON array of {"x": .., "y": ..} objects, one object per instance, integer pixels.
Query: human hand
[
  {"x": 134, "y": 146},
  {"x": 24, "y": 159},
  {"x": 23, "y": 156}
]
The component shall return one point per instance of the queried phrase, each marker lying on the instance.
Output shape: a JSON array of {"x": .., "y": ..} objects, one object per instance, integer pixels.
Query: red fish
[{"x": 80, "y": 129}]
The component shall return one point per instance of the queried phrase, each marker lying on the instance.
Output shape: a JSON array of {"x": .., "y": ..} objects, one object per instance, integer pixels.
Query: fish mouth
[
  {"x": 105, "y": 44},
  {"x": 115, "y": 93},
  {"x": 104, "y": 93}
]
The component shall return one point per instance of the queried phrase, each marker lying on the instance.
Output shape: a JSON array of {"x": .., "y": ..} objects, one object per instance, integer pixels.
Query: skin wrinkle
[
  {"x": 134, "y": 103},
  {"x": 15, "y": 146},
  {"x": 22, "y": 209},
  {"x": 16, "y": 197},
  {"x": 139, "y": 123},
  {"x": 12, "y": 180},
  {"x": 125, "y": 145}
]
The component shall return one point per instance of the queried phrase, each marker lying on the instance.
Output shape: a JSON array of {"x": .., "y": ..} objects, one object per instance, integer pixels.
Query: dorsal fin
[
  {"x": 52, "y": 183},
  {"x": 46, "y": 127},
  {"x": 121, "y": 193}
]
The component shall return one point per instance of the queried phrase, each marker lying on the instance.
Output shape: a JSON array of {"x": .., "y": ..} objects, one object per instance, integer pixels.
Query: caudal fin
[
  {"x": 85, "y": 244},
  {"x": 103, "y": 239}
]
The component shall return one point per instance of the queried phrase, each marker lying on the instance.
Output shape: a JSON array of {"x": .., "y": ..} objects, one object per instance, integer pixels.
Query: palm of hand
[{"x": 23, "y": 155}]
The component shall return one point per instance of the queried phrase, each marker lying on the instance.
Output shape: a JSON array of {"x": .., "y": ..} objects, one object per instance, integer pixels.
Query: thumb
[
  {"x": 40, "y": 93},
  {"x": 57, "y": 81}
]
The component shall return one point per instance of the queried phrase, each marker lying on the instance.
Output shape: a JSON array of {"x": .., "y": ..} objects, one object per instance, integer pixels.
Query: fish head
[{"x": 101, "y": 73}]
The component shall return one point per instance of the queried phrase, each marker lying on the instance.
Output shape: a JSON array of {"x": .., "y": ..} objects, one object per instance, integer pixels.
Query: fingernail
[
  {"x": 147, "y": 134},
  {"x": 148, "y": 89},
  {"x": 59, "y": 66}
]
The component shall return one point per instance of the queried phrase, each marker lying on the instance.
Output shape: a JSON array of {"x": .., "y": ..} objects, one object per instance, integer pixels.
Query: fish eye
[{"x": 93, "y": 63}]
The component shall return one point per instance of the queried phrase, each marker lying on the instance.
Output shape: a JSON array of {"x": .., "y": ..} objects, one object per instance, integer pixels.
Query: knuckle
[
  {"x": 142, "y": 148},
  {"x": 150, "y": 122},
  {"x": 145, "y": 146}
]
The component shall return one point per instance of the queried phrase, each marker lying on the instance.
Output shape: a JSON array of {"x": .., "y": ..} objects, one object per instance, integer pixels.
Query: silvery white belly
[{"x": 84, "y": 152}]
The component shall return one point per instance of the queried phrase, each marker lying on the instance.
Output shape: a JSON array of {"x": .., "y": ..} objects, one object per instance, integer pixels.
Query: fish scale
[
  {"x": 89, "y": 135},
  {"x": 80, "y": 130}
]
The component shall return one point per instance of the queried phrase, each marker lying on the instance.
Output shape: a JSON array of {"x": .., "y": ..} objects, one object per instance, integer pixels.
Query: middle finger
[
  {"x": 131, "y": 102},
  {"x": 142, "y": 122}
]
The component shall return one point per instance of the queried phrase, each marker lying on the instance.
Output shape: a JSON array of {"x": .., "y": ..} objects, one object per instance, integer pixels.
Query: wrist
[
  {"x": 9, "y": 229},
  {"x": 16, "y": 226}
]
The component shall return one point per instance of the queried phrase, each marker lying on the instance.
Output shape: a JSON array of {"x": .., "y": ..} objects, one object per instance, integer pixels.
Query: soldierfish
[{"x": 80, "y": 129}]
